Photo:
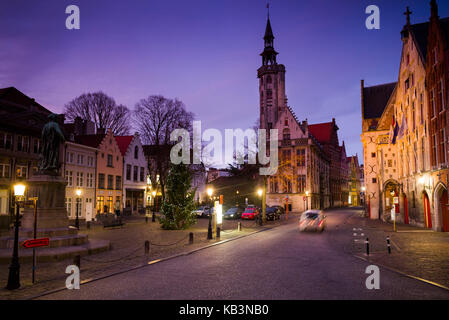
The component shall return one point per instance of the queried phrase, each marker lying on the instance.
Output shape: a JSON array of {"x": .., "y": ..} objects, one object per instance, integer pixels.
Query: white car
[
  {"x": 312, "y": 220},
  {"x": 203, "y": 211}
]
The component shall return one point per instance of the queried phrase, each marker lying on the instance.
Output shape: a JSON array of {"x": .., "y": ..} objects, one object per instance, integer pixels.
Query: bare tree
[
  {"x": 155, "y": 118},
  {"x": 101, "y": 110}
]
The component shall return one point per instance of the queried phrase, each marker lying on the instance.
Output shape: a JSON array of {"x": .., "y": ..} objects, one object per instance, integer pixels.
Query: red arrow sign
[{"x": 34, "y": 243}]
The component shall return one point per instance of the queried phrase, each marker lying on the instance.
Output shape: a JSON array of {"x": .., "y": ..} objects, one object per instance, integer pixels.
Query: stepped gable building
[
  {"x": 327, "y": 135},
  {"x": 405, "y": 131},
  {"x": 302, "y": 179}
]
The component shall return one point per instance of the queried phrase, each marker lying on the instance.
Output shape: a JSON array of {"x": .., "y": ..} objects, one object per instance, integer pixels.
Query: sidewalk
[
  {"x": 127, "y": 252},
  {"x": 415, "y": 251}
]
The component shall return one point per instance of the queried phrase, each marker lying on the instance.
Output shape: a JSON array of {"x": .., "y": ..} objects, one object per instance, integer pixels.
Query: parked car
[
  {"x": 233, "y": 213},
  {"x": 280, "y": 209},
  {"x": 312, "y": 220},
  {"x": 202, "y": 212},
  {"x": 272, "y": 213},
  {"x": 250, "y": 213}
]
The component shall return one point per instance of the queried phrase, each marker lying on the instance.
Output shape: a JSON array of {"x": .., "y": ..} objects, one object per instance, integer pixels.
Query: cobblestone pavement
[
  {"x": 415, "y": 251},
  {"x": 127, "y": 252}
]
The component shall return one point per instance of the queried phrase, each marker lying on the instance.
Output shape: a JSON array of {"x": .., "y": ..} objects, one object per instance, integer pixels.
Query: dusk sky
[{"x": 206, "y": 53}]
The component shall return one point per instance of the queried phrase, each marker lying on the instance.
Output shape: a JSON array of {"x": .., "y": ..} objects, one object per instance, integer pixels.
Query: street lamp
[
  {"x": 260, "y": 193},
  {"x": 210, "y": 191},
  {"x": 307, "y": 200},
  {"x": 78, "y": 200},
  {"x": 14, "y": 268},
  {"x": 153, "y": 218}
]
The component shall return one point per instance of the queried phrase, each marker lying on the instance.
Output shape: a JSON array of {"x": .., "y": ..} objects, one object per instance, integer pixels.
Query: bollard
[
  {"x": 367, "y": 246},
  {"x": 88, "y": 225},
  {"x": 191, "y": 238},
  {"x": 146, "y": 219},
  {"x": 218, "y": 232},
  {"x": 239, "y": 226},
  {"x": 77, "y": 261},
  {"x": 147, "y": 247},
  {"x": 209, "y": 229},
  {"x": 388, "y": 245}
]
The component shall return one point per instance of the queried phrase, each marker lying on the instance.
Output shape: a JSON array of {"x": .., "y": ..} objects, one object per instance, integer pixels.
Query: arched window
[
  {"x": 269, "y": 79},
  {"x": 286, "y": 134},
  {"x": 136, "y": 152}
]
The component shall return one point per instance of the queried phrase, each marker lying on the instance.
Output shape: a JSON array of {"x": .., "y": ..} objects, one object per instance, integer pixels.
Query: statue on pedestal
[{"x": 52, "y": 138}]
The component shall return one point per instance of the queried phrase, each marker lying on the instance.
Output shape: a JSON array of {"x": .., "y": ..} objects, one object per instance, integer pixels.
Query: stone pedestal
[
  {"x": 52, "y": 222},
  {"x": 51, "y": 210}
]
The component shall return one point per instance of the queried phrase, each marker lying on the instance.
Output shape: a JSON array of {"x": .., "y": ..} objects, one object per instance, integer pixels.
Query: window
[
  {"x": 374, "y": 180},
  {"x": 68, "y": 205},
  {"x": 90, "y": 180},
  {"x": 135, "y": 173},
  {"x": 118, "y": 182},
  {"x": 109, "y": 160},
  {"x": 69, "y": 178},
  {"x": 301, "y": 157},
  {"x": 19, "y": 143},
  {"x": 21, "y": 172},
  {"x": 4, "y": 170},
  {"x": 128, "y": 172},
  {"x": 80, "y": 159},
  {"x": 432, "y": 103},
  {"x": 100, "y": 204},
  {"x": 373, "y": 154},
  {"x": 35, "y": 146},
  {"x": 101, "y": 181},
  {"x": 136, "y": 152},
  {"x": 269, "y": 80},
  {"x": 142, "y": 174},
  {"x": 109, "y": 204},
  {"x": 442, "y": 96},
  {"x": 79, "y": 208},
  {"x": 286, "y": 134},
  {"x": 301, "y": 183},
  {"x": 286, "y": 158},
  {"x": 269, "y": 94},
  {"x": 71, "y": 157},
  {"x": 110, "y": 182}
]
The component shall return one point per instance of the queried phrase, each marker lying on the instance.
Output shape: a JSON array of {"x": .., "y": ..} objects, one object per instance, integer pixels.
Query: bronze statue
[{"x": 52, "y": 138}]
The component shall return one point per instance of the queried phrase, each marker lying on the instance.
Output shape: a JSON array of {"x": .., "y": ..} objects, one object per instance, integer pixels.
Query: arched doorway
[
  {"x": 427, "y": 215},
  {"x": 406, "y": 220},
  {"x": 444, "y": 209},
  {"x": 391, "y": 198}
]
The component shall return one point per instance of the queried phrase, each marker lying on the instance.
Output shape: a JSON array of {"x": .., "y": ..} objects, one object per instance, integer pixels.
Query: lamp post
[
  {"x": 307, "y": 200},
  {"x": 210, "y": 191},
  {"x": 14, "y": 268},
  {"x": 260, "y": 193},
  {"x": 153, "y": 218},
  {"x": 78, "y": 200}
]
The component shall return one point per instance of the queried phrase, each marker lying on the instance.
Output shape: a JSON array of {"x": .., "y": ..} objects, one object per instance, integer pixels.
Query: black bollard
[
  {"x": 147, "y": 247},
  {"x": 239, "y": 226},
  {"x": 88, "y": 225},
  {"x": 388, "y": 245},
  {"x": 367, "y": 246},
  {"x": 209, "y": 229},
  {"x": 146, "y": 219},
  {"x": 191, "y": 238},
  {"x": 218, "y": 232},
  {"x": 77, "y": 261}
]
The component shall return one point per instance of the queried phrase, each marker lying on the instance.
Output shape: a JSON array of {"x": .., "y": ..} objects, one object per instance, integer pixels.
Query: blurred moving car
[
  {"x": 272, "y": 213},
  {"x": 233, "y": 213},
  {"x": 250, "y": 213},
  {"x": 312, "y": 220},
  {"x": 203, "y": 211}
]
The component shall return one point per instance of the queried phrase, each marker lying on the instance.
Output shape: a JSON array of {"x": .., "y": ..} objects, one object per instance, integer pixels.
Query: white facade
[{"x": 79, "y": 173}]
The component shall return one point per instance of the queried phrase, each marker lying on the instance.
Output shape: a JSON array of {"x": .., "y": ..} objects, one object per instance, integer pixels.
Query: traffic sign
[{"x": 35, "y": 243}]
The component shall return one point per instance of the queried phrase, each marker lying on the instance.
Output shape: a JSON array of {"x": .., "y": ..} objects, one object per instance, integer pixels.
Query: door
[
  {"x": 444, "y": 211},
  {"x": 406, "y": 221},
  {"x": 427, "y": 216},
  {"x": 89, "y": 211}
]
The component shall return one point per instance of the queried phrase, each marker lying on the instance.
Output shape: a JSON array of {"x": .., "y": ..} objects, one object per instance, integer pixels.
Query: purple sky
[{"x": 206, "y": 53}]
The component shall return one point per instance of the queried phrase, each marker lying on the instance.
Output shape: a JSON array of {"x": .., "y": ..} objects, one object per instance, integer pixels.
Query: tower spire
[
  {"x": 408, "y": 13},
  {"x": 433, "y": 9},
  {"x": 269, "y": 54}
]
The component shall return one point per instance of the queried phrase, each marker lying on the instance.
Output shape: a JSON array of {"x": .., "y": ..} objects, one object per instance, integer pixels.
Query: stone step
[
  {"x": 48, "y": 233},
  {"x": 59, "y": 241},
  {"x": 56, "y": 254}
]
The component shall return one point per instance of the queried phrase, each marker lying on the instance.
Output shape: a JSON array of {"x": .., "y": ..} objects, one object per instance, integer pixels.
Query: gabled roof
[
  {"x": 91, "y": 140},
  {"x": 375, "y": 99},
  {"x": 322, "y": 131},
  {"x": 123, "y": 143},
  {"x": 11, "y": 94}
]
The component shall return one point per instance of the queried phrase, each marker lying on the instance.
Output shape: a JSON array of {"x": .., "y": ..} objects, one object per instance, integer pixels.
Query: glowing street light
[
  {"x": 78, "y": 202},
  {"x": 153, "y": 218},
  {"x": 14, "y": 268}
]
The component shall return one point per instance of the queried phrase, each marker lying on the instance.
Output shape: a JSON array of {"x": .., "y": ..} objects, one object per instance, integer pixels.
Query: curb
[
  {"x": 404, "y": 274},
  {"x": 147, "y": 264}
]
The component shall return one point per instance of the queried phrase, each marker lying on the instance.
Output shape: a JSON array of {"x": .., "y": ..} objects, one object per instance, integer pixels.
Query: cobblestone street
[{"x": 127, "y": 252}]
